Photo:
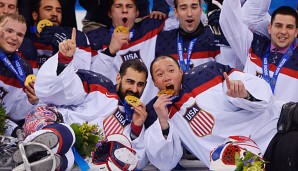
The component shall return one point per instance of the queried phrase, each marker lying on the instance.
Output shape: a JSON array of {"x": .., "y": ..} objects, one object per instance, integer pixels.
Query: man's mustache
[{"x": 131, "y": 93}]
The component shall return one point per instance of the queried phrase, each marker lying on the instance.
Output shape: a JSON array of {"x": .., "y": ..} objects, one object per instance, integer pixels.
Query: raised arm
[
  {"x": 247, "y": 91},
  {"x": 236, "y": 32},
  {"x": 255, "y": 15},
  {"x": 57, "y": 83}
]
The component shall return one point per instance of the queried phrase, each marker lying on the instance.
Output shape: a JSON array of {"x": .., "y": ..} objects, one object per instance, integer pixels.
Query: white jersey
[
  {"x": 12, "y": 96},
  {"x": 203, "y": 116},
  {"x": 82, "y": 96},
  {"x": 251, "y": 47}
]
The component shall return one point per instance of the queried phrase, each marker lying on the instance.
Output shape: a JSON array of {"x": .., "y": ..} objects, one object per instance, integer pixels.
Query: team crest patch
[
  {"x": 3, "y": 93},
  {"x": 200, "y": 121},
  {"x": 115, "y": 123},
  {"x": 131, "y": 55}
]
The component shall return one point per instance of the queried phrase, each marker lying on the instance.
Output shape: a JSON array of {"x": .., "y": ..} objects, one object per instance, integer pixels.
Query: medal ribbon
[
  {"x": 185, "y": 67},
  {"x": 282, "y": 62},
  {"x": 127, "y": 110},
  {"x": 18, "y": 69}
]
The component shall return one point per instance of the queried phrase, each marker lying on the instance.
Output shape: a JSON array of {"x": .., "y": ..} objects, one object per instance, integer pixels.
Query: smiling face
[
  {"x": 189, "y": 14},
  {"x": 12, "y": 35},
  {"x": 50, "y": 10},
  {"x": 123, "y": 13},
  {"x": 132, "y": 83},
  {"x": 167, "y": 74},
  {"x": 283, "y": 30},
  {"x": 8, "y": 7}
]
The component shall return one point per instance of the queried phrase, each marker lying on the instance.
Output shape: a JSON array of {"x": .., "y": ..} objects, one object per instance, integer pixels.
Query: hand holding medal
[
  {"x": 121, "y": 29},
  {"x": 130, "y": 101},
  {"x": 120, "y": 36},
  {"x": 42, "y": 23},
  {"x": 30, "y": 78}
]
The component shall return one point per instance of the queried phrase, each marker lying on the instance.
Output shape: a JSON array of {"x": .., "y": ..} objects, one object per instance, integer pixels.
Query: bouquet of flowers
[
  {"x": 238, "y": 153},
  {"x": 249, "y": 162},
  {"x": 87, "y": 137},
  {"x": 3, "y": 117}
]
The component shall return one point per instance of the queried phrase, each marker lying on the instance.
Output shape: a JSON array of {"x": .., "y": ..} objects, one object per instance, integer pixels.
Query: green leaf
[
  {"x": 248, "y": 155},
  {"x": 93, "y": 138},
  {"x": 3, "y": 118},
  {"x": 75, "y": 127}
]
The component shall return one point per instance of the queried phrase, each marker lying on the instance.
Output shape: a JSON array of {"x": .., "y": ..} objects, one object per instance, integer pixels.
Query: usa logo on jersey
[
  {"x": 131, "y": 55},
  {"x": 200, "y": 121},
  {"x": 115, "y": 123}
]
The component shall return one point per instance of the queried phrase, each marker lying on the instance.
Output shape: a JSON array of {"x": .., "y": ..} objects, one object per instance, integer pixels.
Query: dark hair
[
  {"x": 159, "y": 58},
  {"x": 15, "y": 17},
  {"x": 111, "y": 2},
  {"x": 285, "y": 10},
  {"x": 136, "y": 64},
  {"x": 36, "y": 5},
  {"x": 176, "y": 3}
]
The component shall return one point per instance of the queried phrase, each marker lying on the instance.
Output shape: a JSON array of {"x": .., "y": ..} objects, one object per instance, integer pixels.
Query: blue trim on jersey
[{"x": 91, "y": 77}]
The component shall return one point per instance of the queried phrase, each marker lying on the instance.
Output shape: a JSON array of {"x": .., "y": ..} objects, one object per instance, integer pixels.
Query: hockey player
[
  {"x": 84, "y": 95},
  {"x": 111, "y": 49},
  {"x": 272, "y": 59},
  {"x": 192, "y": 43},
  {"x": 97, "y": 12},
  {"x": 27, "y": 49},
  {"x": 16, "y": 98},
  {"x": 211, "y": 102},
  {"x": 47, "y": 41}
]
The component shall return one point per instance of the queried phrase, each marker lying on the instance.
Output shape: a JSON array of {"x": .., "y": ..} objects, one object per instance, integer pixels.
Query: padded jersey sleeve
[
  {"x": 256, "y": 16},
  {"x": 163, "y": 153},
  {"x": 236, "y": 32},
  {"x": 257, "y": 87},
  {"x": 63, "y": 89}
]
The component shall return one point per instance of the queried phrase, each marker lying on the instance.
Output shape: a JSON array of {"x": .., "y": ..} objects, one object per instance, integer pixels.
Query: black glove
[
  {"x": 53, "y": 35},
  {"x": 213, "y": 22}
]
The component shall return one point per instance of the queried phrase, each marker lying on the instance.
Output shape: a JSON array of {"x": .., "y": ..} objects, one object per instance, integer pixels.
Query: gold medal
[
  {"x": 166, "y": 91},
  {"x": 121, "y": 29},
  {"x": 133, "y": 101},
  {"x": 29, "y": 78},
  {"x": 42, "y": 23}
]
